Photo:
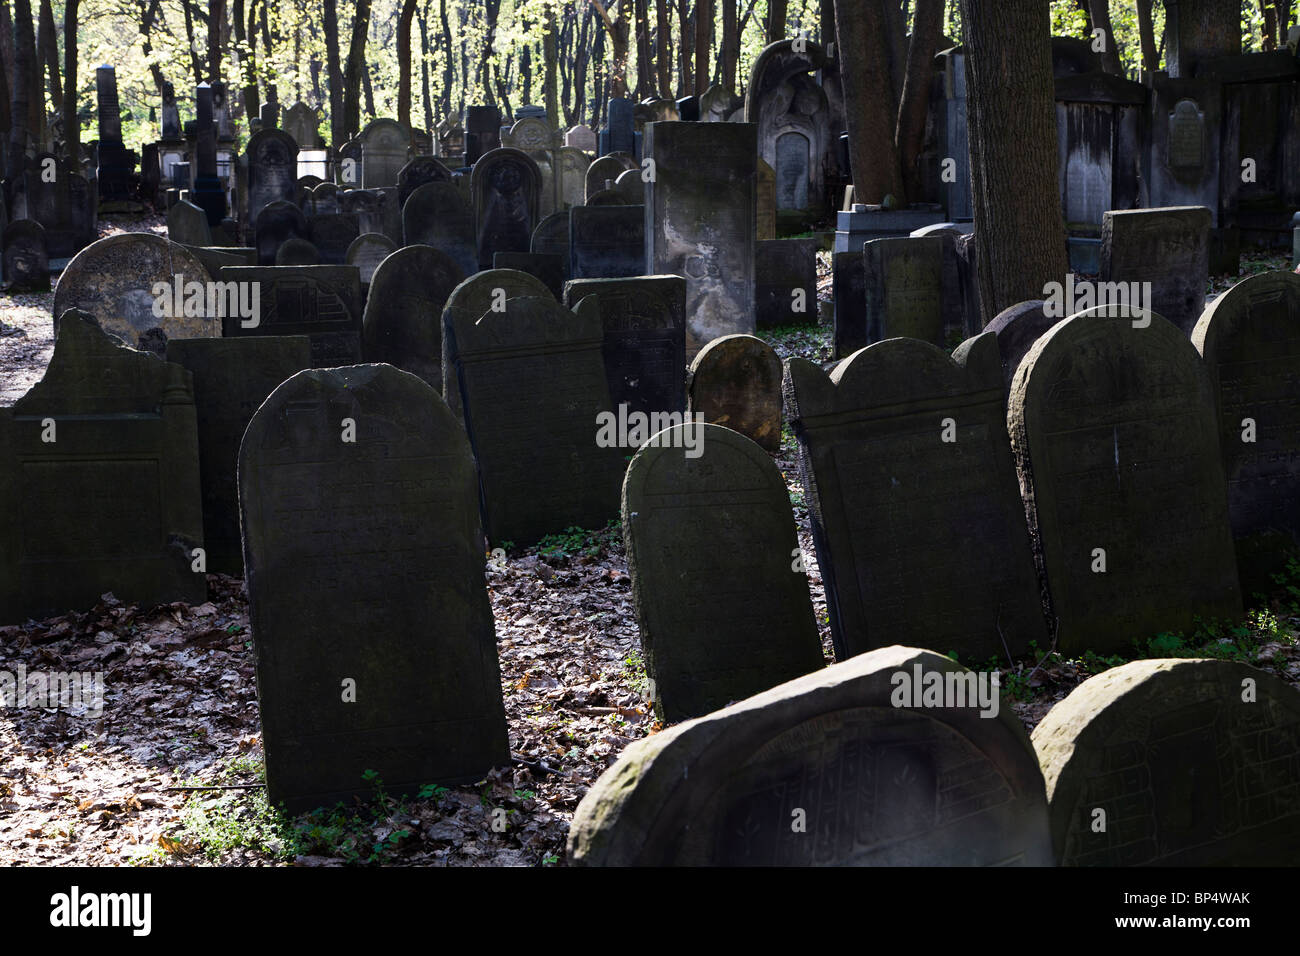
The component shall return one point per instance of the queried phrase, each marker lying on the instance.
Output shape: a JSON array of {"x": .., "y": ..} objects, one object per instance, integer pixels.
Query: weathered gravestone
[
  {"x": 117, "y": 280},
  {"x": 296, "y": 252},
  {"x": 322, "y": 302},
  {"x": 482, "y": 132},
  {"x": 551, "y": 237},
  {"x": 764, "y": 201},
  {"x": 403, "y": 319},
  {"x": 386, "y": 148},
  {"x": 1112, "y": 423},
  {"x": 1168, "y": 248},
  {"x": 331, "y": 527},
  {"x": 322, "y": 200},
  {"x": 1250, "y": 341},
  {"x": 607, "y": 242},
  {"x": 849, "y": 290},
  {"x": 277, "y": 222},
  {"x": 956, "y": 318},
  {"x": 533, "y": 386},
  {"x": 571, "y": 168},
  {"x": 334, "y": 235},
  {"x": 26, "y": 261},
  {"x": 101, "y": 467},
  {"x": 232, "y": 377},
  {"x": 631, "y": 187},
  {"x": 479, "y": 293},
  {"x": 417, "y": 172},
  {"x": 785, "y": 282},
  {"x": 644, "y": 345},
  {"x": 366, "y": 252},
  {"x": 918, "y": 525},
  {"x": 581, "y": 137},
  {"x": 547, "y": 267},
  {"x": 436, "y": 215},
  {"x": 619, "y": 136},
  {"x": 215, "y": 258},
  {"x": 505, "y": 185},
  {"x": 903, "y": 278},
  {"x": 302, "y": 122},
  {"x": 1017, "y": 329},
  {"x": 735, "y": 381},
  {"x": 188, "y": 224},
  {"x": 881, "y": 780},
  {"x": 709, "y": 533},
  {"x": 1192, "y": 763},
  {"x": 700, "y": 213},
  {"x": 272, "y": 156},
  {"x": 606, "y": 169}
]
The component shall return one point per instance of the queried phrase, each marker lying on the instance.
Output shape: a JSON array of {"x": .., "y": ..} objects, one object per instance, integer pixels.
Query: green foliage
[{"x": 575, "y": 541}]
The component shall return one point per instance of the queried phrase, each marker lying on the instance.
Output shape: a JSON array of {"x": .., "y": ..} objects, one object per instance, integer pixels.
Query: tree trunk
[
  {"x": 730, "y": 51},
  {"x": 6, "y": 70},
  {"x": 776, "y": 10},
  {"x": 664, "y": 47},
  {"x": 1147, "y": 36},
  {"x": 895, "y": 50},
  {"x": 216, "y": 17},
  {"x": 196, "y": 65},
  {"x": 356, "y": 66},
  {"x": 685, "y": 47},
  {"x": 404, "y": 62},
  {"x": 7, "y": 43},
  {"x": 448, "y": 61},
  {"x": 703, "y": 42},
  {"x": 1011, "y": 111},
  {"x": 24, "y": 54},
  {"x": 1110, "y": 58},
  {"x": 1199, "y": 30},
  {"x": 915, "y": 104},
  {"x": 645, "y": 83},
  {"x": 48, "y": 47},
  {"x": 71, "y": 124},
  {"x": 551, "y": 56},
  {"x": 865, "y": 76},
  {"x": 1283, "y": 20},
  {"x": 425, "y": 88}
]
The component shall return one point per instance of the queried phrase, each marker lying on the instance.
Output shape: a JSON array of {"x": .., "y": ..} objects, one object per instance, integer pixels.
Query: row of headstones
[{"x": 901, "y": 757}]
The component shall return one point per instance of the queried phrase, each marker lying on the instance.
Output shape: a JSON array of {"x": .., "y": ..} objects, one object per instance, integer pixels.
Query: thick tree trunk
[
  {"x": 355, "y": 69},
  {"x": 685, "y": 47},
  {"x": 404, "y": 62},
  {"x": 551, "y": 54},
  {"x": 664, "y": 46},
  {"x": 703, "y": 43},
  {"x": 425, "y": 88},
  {"x": 1110, "y": 58},
  {"x": 216, "y": 18},
  {"x": 1011, "y": 113},
  {"x": 330, "y": 21},
  {"x": 1147, "y": 36},
  {"x": 24, "y": 53},
  {"x": 865, "y": 76},
  {"x": 71, "y": 124},
  {"x": 915, "y": 104},
  {"x": 776, "y": 11},
  {"x": 729, "y": 55},
  {"x": 7, "y": 43},
  {"x": 196, "y": 65},
  {"x": 48, "y": 48},
  {"x": 1199, "y": 30},
  {"x": 645, "y": 82}
]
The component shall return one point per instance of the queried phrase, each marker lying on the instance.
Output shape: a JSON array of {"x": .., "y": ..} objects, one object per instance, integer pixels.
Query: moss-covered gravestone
[
  {"x": 1113, "y": 427},
  {"x": 402, "y": 324},
  {"x": 903, "y": 279},
  {"x": 721, "y": 597},
  {"x": 1174, "y": 763},
  {"x": 1250, "y": 341},
  {"x": 918, "y": 524},
  {"x": 735, "y": 381},
  {"x": 364, "y": 562},
  {"x": 99, "y": 465},
  {"x": 834, "y": 768}
]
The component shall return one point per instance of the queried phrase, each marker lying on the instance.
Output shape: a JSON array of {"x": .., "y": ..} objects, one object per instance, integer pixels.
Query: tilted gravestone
[
  {"x": 1249, "y": 339},
  {"x": 297, "y": 252},
  {"x": 533, "y": 385},
  {"x": 1187, "y": 763},
  {"x": 903, "y": 278},
  {"x": 644, "y": 343},
  {"x": 785, "y": 282},
  {"x": 607, "y": 242},
  {"x": 1113, "y": 427},
  {"x": 736, "y": 381},
  {"x": 115, "y": 280},
  {"x": 1169, "y": 248},
  {"x": 232, "y": 377},
  {"x": 367, "y": 252},
  {"x": 101, "y": 467},
  {"x": 479, "y": 293},
  {"x": 26, "y": 259},
  {"x": 436, "y": 215},
  {"x": 322, "y": 302},
  {"x": 1017, "y": 329},
  {"x": 354, "y": 480},
  {"x": 188, "y": 224},
  {"x": 849, "y": 290},
  {"x": 710, "y": 539},
  {"x": 403, "y": 319},
  {"x": 917, "y": 520},
  {"x": 700, "y": 211},
  {"x": 505, "y": 184},
  {"x": 876, "y": 778},
  {"x": 277, "y": 222},
  {"x": 549, "y": 268},
  {"x": 272, "y": 157}
]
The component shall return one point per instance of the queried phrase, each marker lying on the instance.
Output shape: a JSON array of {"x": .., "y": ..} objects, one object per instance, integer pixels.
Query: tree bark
[
  {"x": 664, "y": 47},
  {"x": 404, "y": 62},
  {"x": 1019, "y": 233},
  {"x": 71, "y": 124},
  {"x": 425, "y": 87},
  {"x": 216, "y": 17},
  {"x": 1199, "y": 30},
  {"x": 24, "y": 54},
  {"x": 338, "y": 130},
  {"x": 356, "y": 66},
  {"x": 645, "y": 83},
  {"x": 915, "y": 101},
  {"x": 551, "y": 54},
  {"x": 1110, "y": 58},
  {"x": 48, "y": 48},
  {"x": 685, "y": 47},
  {"x": 617, "y": 28},
  {"x": 449, "y": 61},
  {"x": 776, "y": 11},
  {"x": 1147, "y": 36},
  {"x": 196, "y": 65},
  {"x": 730, "y": 50},
  {"x": 703, "y": 42},
  {"x": 865, "y": 76}
]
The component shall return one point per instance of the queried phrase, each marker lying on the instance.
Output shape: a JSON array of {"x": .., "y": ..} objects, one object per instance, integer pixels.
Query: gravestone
[
  {"x": 295, "y": 252},
  {"x": 114, "y": 279},
  {"x": 529, "y": 133},
  {"x": 785, "y": 287},
  {"x": 188, "y": 224},
  {"x": 482, "y": 132},
  {"x": 905, "y": 464},
  {"x": 903, "y": 278},
  {"x": 437, "y": 216},
  {"x": 302, "y": 122},
  {"x": 688, "y": 109},
  {"x": 470, "y": 300},
  {"x": 1249, "y": 339},
  {"x": 402, "y": 324},
  {"x": 386, "y": 148},
  {"x": 208, "y": 192},
  {"x": 878, "y": 784},
  {"x": 170, "y": 120},
  {"x": 334, "y": 235},
  {"x": 700, "y": 212},
  {"x": 644, "y": 339},
  {"x": 115, "y": 163},
  {"x": 581, "y": 137},
  {"x": 607, "y": 197},
  {"x": 1168, "y": 248},
  {"x": 572, "y": 170},
  {"x": 764, "y": 201},
  {"x": 322, "y": 302},
  {"x": 215, "y": 258},
  {"x": 709, "y": 535},
  {"x": 630, "y": 187},
  {"x": 1112, "y": 423},
  {"x": 1185, "y": 766},
  {"x": 607, "y": 242},
  {"x": 272, "y": 157},
  {"x": 417, "y": 172},
  {"x": 735, "y": 381},
  {"x": 26, "y": 260},
  {"x": 952, "y": 302},
  {"x": 1017, "y": 329},
  {"x": 327, "y": 524},
  {"x": 793, "y": 116},
  {"x": 548, "y": 268},
  {"x": 533, "y": 383},
  {"x": 348, "y": 168},
  {"x": 551, "y": 237},
  {"x": 277, "y": 222},
  {"x": 367, "y": 251},
  {"x": 367, "y": 206},
  {"x": 619, "y": 136},
  {"x": 232, "y": 377},
  {"x": 849, "y": 290},
  {"x": 603, "y": 170},
  {"x": 322, "y": 200},
  {"x": 718, "y": 104},
  {"x": 505, "y": 186},
  {"x": 111, "y": 503}
]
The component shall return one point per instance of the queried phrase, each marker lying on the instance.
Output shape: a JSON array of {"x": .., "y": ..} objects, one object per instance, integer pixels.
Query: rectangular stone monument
[
  {"x": 699, "y": 217},
  {"x": 903, "y": 279},
  {"x": 849, "y": 289},
  {"x": 607, "y": 242},
  {"x": 1169, "y": 248},
  {"x": 322, "y": 302},
  {"x": 785, "y": 283},
  {"x": 115, "y": 162}
]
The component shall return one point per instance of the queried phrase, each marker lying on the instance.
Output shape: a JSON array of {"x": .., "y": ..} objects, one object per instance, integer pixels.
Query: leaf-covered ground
[{"x": 170, "y": 772}]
